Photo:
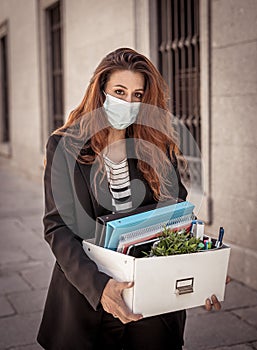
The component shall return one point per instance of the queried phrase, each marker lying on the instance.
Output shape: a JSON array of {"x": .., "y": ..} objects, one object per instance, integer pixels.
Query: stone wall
[
  {"x": 24, "y": 88},
  {"x": 92, "y": 29},
  {"x": 233, "y": 128}
]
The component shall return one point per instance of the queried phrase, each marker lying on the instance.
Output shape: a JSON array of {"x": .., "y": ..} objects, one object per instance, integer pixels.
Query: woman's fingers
[
  {"x": 228, "y": 279},
  {"x": 113, "y": 302},
  {"x": 214, "y": 302},
  {"x": 208, "y": 305}
]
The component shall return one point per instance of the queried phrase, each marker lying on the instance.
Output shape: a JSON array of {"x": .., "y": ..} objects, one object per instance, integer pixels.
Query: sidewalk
[{"x": 25, "y": 268}]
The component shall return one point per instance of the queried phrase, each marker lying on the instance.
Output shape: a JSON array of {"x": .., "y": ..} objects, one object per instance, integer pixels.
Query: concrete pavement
[{"x": 25, "y": 268}]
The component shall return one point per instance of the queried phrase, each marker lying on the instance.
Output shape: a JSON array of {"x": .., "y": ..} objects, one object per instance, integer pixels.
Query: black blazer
[{"x": 72, "y": 313}]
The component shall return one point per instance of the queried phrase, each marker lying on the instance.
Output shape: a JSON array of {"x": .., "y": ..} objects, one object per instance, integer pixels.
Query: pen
[
  {"x": 192, "y": 228},
  {"x": 209, "y": 243},
  {"x": 221, "y": 234}
]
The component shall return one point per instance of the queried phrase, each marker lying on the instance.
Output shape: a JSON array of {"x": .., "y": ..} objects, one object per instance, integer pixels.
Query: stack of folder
[{"x": 124, "y": 232}]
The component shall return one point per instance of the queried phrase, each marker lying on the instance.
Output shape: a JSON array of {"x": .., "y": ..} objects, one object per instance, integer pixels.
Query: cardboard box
[{"x": 165, "y": 284}]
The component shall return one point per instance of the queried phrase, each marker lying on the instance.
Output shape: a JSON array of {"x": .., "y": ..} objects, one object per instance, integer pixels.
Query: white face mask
[{"x": 120, "y": 113}]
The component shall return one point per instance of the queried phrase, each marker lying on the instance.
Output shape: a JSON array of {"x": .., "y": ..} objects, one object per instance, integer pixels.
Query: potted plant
[{"x": 175, "y": 242}]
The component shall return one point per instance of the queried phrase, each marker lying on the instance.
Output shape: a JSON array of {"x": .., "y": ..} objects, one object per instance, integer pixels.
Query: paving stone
[
  {"x": 248, "y": 314},
  {"x": 193, "y": 313},
  {"x": 13, "y": 181},
  {"x": 217, "y": 329},
  {"x": 28, "y": 347},
  {"x": 5, "y": 307},
  {"x": 12, "y": 204},
  {"x": 26, "y": 231},
  {"x": 18, "y": 267},
  {"x": 13, "y": 233},
  {"x": 34, "y": 222},
  {"x": 39, "y": 277},
  {"x": 235, "y": 347},
  {"x": 26, "y": 302},
  {"x": 38, "y": 249},
  {"x": 196, "y": 311},
  {"x": 254, "y": 345},
  {"x": 16, "y": 249},
  {"x": 12, "y": 283},
  {"x": 9, "y": 227},
  {"x": 238, "y": 295},
  {"x": 10, "y": 255},
  {"x": 19, "y": 330}
]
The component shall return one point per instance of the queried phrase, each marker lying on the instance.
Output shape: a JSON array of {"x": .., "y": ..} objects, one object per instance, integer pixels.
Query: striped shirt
[{"x": 119, "y": 184}]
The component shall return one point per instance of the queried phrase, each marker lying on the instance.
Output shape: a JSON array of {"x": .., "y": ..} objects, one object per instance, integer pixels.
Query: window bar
[
  {"x": 55, "y": 62},
  {"x": 183, "y": 77},
  {"x": 176, "y": 54},
  {"x": 170, "y": 54},
  {"x": 190, "y": 72},
  {"x": 5, "y": 137},
  {"x": 197, "y": 79},
  {"x": 162, "y": 47},
  {"x": 196, "y": 89},
  {"x": 183, "y": 62}
]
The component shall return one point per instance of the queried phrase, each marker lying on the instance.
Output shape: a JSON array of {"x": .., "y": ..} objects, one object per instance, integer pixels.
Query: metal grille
[
  {"x": 55, "y": 70},
  {"x": 5, "y": 132},
  {"x": 178, "y": 55}
]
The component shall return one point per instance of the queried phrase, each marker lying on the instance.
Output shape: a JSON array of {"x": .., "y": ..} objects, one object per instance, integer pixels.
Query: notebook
[
  {"x": 160, "y": 215},
  {"x": 152, "y": 232}
]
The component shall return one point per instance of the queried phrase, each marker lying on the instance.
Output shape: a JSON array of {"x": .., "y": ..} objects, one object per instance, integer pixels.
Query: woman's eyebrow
[{"x": 124, "y": 87}]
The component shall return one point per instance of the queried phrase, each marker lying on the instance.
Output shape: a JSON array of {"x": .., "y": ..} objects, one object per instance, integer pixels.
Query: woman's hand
[
  {"x": 113, "y": 302},
  {"x": 214, "y": 302}
]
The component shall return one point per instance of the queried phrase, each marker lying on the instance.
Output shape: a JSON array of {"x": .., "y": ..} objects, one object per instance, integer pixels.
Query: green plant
[{"x": 172, "y": 243}]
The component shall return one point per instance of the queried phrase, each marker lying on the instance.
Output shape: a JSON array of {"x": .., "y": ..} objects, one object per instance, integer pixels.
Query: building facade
[{"x": 206, "y": 51}]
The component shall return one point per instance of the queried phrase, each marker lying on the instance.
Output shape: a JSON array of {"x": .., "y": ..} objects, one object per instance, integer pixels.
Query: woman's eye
[
  {"x": 119, "y": 92},
  {"x": 139, "y": 95}
]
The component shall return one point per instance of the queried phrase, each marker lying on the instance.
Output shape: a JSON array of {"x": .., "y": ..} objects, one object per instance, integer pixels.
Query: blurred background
[{"x": 207, "y": 52}]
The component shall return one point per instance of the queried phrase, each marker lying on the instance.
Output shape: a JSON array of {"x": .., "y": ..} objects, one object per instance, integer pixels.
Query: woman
[{"x": 115, "y": 130}]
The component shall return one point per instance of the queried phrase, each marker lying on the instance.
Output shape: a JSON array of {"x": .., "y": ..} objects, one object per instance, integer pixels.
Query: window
[
  {"x": 54, "y": 65},
  {"x": 4, "y": 89},
  {"x": 179, "y": 63}
]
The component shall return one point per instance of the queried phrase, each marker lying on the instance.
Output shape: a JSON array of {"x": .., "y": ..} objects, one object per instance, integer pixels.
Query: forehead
[{"x": 126, "y": 78}]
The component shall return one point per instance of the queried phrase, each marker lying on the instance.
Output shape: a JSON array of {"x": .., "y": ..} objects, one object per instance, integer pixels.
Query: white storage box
[{"x": 164, "y": 284}]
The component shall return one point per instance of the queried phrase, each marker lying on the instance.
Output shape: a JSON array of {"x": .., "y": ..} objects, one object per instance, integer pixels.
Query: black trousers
[{"x": 152, "y": 333}]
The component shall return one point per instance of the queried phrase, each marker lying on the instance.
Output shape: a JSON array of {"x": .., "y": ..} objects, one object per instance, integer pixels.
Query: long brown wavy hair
[{"x": 158, "y": 132}]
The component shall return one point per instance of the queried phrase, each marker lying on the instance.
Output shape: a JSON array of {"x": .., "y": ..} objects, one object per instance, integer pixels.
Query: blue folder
[{"x": 139, "y": 221}]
